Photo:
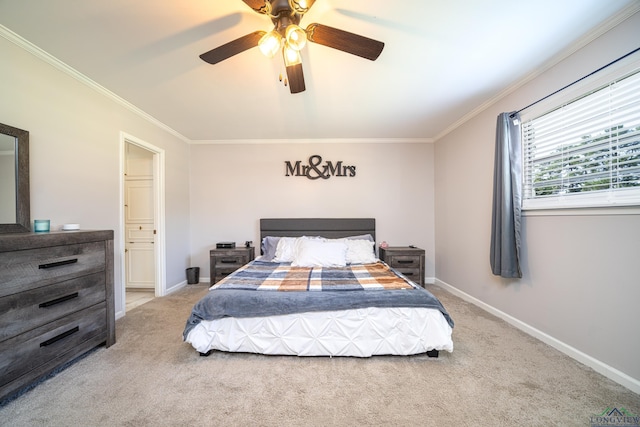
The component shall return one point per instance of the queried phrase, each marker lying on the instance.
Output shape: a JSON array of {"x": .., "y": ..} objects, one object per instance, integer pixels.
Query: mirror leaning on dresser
[{"x": 15, "y": 202}]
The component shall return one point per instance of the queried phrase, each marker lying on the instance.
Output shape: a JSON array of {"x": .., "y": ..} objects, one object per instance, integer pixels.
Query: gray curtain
[{"x": 507, "y": 198}]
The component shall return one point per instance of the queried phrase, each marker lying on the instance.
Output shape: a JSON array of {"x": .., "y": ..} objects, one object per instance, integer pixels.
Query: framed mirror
[{"x": 15, "y": 203}]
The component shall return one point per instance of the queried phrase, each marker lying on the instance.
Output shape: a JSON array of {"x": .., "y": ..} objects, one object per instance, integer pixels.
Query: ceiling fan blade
[
  {"x": 260, "y": 6},
  {"x": 296, "y": 78},
  {"x": 234, "y": 47},
  {"x": 345, "y": 41}
]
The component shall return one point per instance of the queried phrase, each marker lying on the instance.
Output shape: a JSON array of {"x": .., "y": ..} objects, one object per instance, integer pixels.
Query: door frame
[{"x": 158, "y": 214}]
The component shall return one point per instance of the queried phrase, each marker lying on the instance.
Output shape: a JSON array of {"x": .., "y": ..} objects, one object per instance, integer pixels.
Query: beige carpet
[{"x": 496, "y": 376}]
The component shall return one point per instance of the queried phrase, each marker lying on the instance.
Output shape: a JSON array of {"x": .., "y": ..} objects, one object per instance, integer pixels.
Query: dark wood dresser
[{"x": 56, "y": 301}]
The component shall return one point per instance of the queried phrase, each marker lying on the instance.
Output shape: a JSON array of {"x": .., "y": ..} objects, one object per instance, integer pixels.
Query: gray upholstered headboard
[{"x": 326, "y": 227}]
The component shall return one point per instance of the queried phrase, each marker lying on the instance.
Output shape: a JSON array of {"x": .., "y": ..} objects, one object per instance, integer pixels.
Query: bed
[{"x": 318, "y": 289}]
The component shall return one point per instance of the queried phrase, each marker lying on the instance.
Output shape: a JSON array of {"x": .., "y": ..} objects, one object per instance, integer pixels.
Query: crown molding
[
  {"x": 65, "y": 68},
  {"x": 314, "y": 141},
  {"x": 72, "y": 72},
  {"x": 594, "y": 34}
]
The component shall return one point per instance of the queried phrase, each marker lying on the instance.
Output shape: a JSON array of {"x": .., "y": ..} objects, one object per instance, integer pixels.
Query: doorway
[{"x": 142, "y": 219}]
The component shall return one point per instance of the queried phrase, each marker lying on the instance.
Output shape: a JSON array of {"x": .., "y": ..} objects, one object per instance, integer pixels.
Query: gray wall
[
  {"x": 234, "y": 185},
  {"x": 74, "y": 153},
  {"x": 581, "y": 283}
]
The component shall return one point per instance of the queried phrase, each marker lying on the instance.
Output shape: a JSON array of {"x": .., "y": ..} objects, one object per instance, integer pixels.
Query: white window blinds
[{"x": 587, "y": 151}]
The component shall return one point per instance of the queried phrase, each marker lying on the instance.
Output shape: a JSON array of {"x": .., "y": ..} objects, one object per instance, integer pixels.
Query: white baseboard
[
  {"x": 613, "y": 374},
  {"x": 176, "y": 287}
]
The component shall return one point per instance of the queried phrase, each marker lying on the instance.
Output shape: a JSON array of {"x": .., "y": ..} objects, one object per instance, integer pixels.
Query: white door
[{"x": 140, "y": 230}]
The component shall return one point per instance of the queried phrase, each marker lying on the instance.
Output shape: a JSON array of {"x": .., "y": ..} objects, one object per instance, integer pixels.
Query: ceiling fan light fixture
[
  {"x": 296, "y": 37},
  {"x": 299, "y": 6},
  {"x": 291, "y": 56},
  {"x": 270, "y": 43}
]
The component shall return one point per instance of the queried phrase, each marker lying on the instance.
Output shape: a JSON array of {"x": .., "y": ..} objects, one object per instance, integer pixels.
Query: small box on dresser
[
  {"x": 407, "y": 260},
  {"x": 223, "y": 262},
  {"x": 56, "y": 302}
]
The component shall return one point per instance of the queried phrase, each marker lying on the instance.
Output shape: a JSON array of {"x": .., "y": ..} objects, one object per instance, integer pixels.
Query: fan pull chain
[{"x": 285, "y": 79}]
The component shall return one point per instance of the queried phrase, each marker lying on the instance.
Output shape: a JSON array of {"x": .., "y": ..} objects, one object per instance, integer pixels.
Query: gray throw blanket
[{"x": 219, "y": 303}]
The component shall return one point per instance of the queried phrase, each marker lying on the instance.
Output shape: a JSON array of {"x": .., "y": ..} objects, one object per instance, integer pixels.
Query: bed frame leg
[
  {"x": 433, "y": 353},
  {"x": 206, "y": 354}
]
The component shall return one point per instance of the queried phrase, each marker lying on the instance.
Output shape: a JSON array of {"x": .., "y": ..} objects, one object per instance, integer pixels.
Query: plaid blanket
[
  {"x": 268, "y": 276},
  {"x": 235, "y": 295}
]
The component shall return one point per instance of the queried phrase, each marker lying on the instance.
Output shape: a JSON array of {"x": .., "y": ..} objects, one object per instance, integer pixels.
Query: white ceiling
[{"x": 442, "y": 60}]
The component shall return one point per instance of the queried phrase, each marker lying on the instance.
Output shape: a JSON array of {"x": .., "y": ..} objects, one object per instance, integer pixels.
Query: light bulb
[
  {"x": 291, "y": 56},
  {"x": 296, "y": 37},
  {"x": 270, "y": 43}
]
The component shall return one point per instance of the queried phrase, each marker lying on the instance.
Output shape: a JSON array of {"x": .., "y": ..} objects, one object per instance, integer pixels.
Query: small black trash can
[{"x": 193, "y": 275}]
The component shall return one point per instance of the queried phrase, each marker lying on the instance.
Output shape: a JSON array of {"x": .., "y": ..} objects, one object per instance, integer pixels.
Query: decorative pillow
[
  {"x": 269, "y": 246},
  {"x": 320, "y": 253},
  {"x": 360, "y": 252},
  {"x": 286, "y": 249}
]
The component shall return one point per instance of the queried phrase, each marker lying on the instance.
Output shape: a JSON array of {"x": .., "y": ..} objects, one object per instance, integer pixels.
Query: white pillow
[
  {"x": 320, "y": 253},
  {"x": 286, "y": 249},
  {"x": 360, "y": 252}
]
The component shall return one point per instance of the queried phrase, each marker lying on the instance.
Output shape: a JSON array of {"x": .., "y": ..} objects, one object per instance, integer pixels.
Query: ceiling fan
[{"x": 289, "y": 38}]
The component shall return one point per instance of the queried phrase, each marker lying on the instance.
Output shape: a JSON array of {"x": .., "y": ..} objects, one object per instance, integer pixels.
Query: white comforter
[{"x": 358, "y": 332}]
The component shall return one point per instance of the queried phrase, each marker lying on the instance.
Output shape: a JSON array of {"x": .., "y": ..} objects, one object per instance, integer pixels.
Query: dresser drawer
[
  {"x": 52, "y": 341},
  {"x": 27, "y": 310},
  {"x": 34, "y": 268}
]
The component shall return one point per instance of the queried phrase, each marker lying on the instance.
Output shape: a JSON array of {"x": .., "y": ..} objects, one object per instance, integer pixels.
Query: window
[{"x": 587, "y": 151}]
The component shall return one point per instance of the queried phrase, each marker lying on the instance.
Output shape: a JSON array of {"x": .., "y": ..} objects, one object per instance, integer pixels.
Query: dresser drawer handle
[
  {"x": 58, "y": 300},
  {"x": 58, "y": 263},
  {"x": 408, "y": 274},
  {"x": 228, "y": 261},
  {"x": 407, "y": 261},
  {"x": 59, "y": 337}
]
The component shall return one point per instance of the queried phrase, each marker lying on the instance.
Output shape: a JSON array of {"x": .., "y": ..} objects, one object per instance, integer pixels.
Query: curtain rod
[{"x": 580, "y": 79}]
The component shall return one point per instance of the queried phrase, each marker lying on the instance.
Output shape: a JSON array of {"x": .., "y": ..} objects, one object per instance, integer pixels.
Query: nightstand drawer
[
  {"x": 225, "y": 271},
  {"x": 412, "y": 274},
  {"x": 404, "y": 261},
  {"x": 231, "y": 260}
]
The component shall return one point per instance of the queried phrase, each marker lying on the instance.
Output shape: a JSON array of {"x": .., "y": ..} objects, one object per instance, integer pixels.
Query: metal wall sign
[{"x": 316, "y": 168}]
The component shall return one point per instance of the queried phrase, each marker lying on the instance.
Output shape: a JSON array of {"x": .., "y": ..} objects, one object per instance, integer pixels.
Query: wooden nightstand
[
  {"x": 226, "y": 261},
  {"x": 406, "y": 260}
]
